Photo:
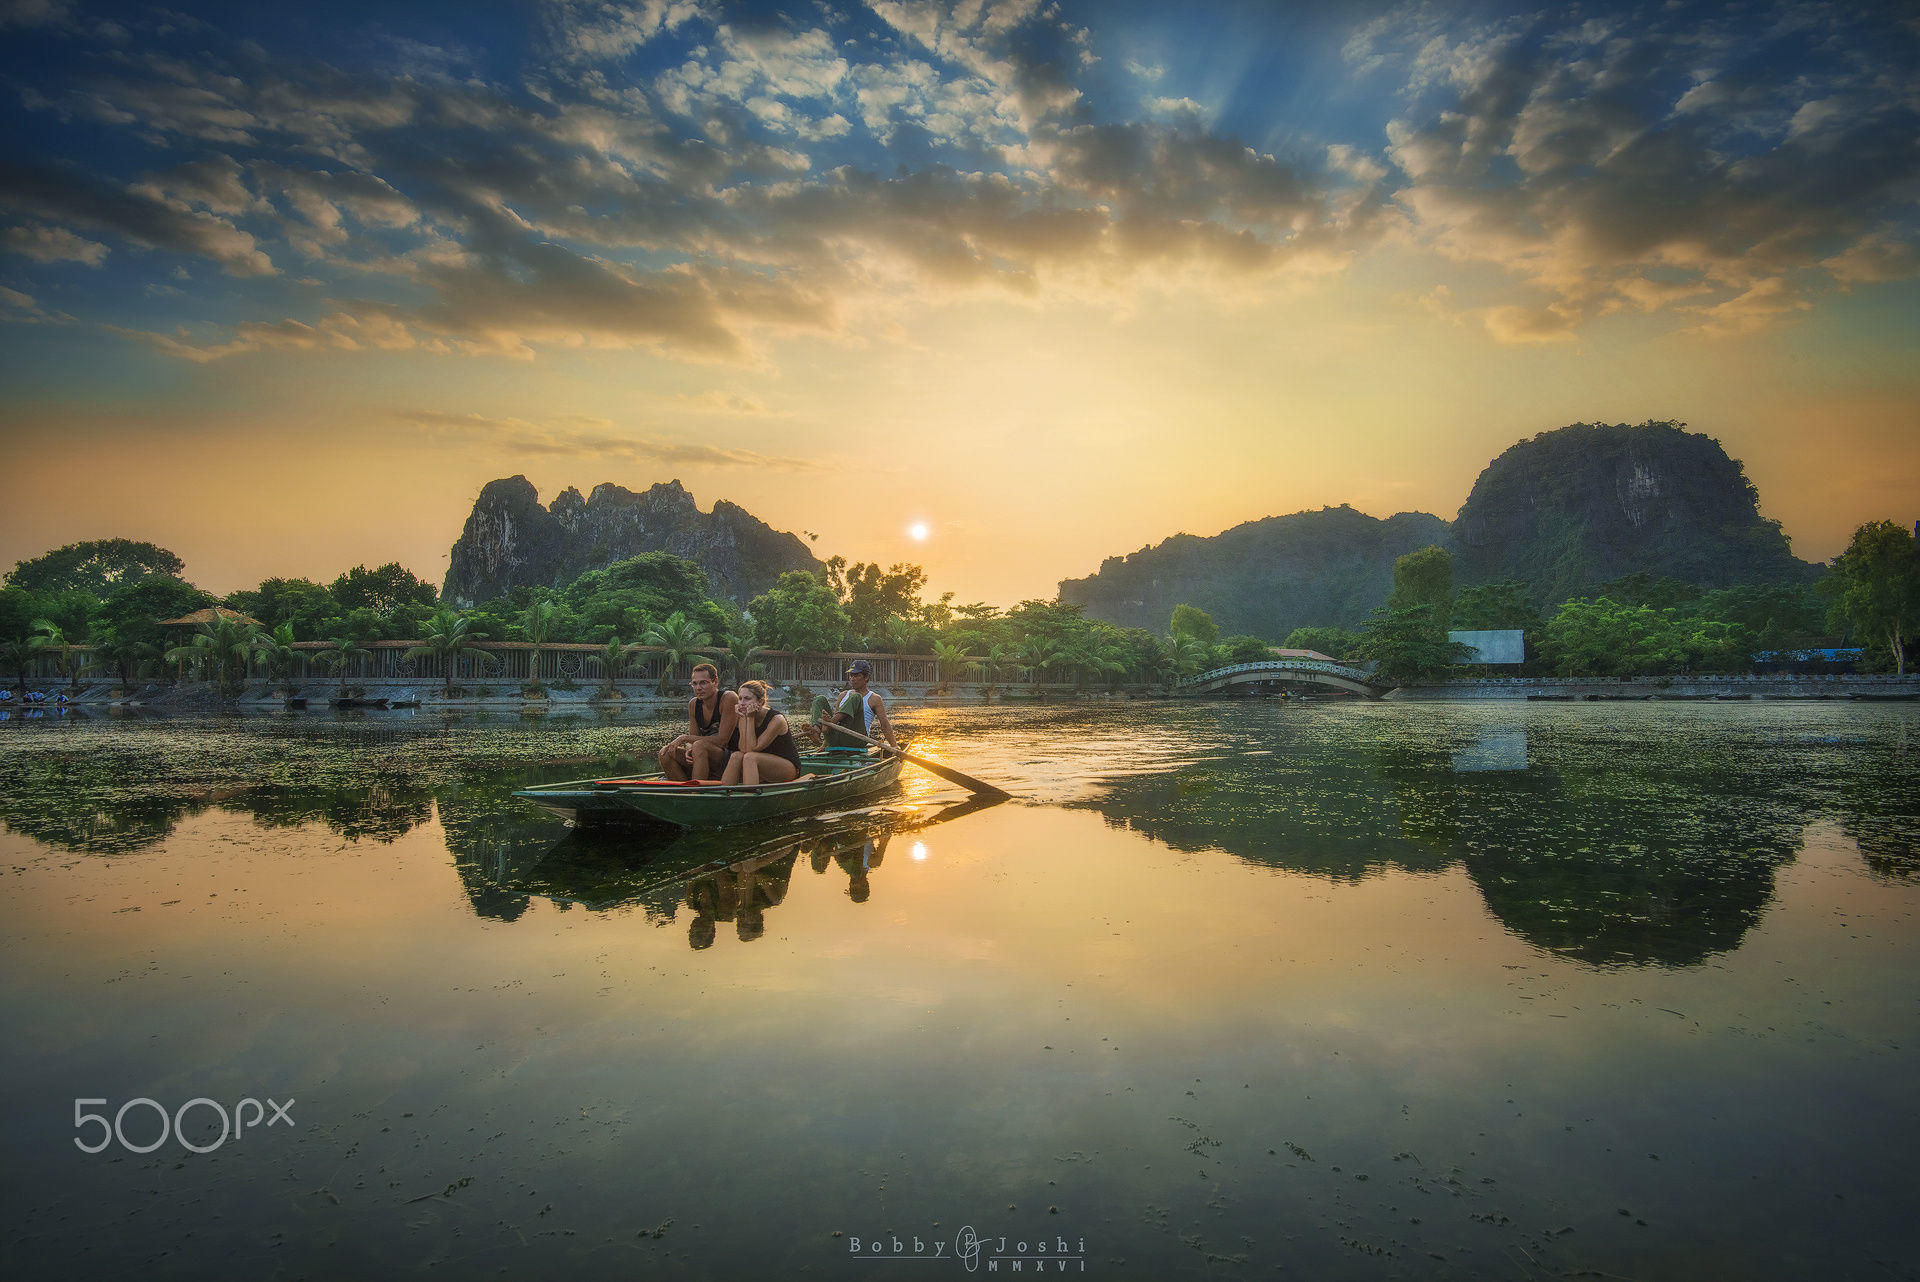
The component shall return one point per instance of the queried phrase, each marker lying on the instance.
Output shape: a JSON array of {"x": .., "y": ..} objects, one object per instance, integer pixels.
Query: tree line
[
  {"x": 101, "y": 603},
  {"x": 1645, "y": 624}
]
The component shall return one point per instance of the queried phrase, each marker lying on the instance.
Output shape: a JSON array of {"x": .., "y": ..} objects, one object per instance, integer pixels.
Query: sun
[{"x": 919, "y": 531}]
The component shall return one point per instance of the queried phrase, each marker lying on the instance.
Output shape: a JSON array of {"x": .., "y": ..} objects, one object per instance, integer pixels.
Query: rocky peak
[{"x": 510, "y": 540}]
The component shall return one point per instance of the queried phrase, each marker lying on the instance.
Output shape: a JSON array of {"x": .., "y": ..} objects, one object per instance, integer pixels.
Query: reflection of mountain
[
  {"x": 1289, "y": 802},
  {"x": 1667, "y": 875},
  {"x": 1666, "y": 857}
]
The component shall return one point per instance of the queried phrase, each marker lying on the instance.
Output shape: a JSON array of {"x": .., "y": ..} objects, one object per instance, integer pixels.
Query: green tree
[
  {"x": 629, "y": 596},
  {"x": 308, "y": 606},
  {"x": 1241, "y": 649},
  {"x": 220, "y": 648},
  {"x": 680, "y": 637},
  {"x": 382, "y": 590},
  {"x": 800, "y": 613},
  {"x": 1875, "y": 588},
  {"x": 615, "y": 657},
  {"x": 1191, "y": 621},
  {"x": 17, "y": 653},
  {"x": 94, "y": 567},
  {"x": 1335, "y": 643},
  {"x": 340, "y": 655},
  {"x": 449, "y": 636},
  {"x": 1606, "y": 638},
  {"x": 1407, "y": 644},
  {"x": 1187, "y": 655},
  {"x": 125, "y": 652},
  {"x": 276, "y": 651},
  {"x": 995, "y": 658},
  {"x": 872, "y": 596},
  {"x": 50, "y": 639},
  {"x": 949, "y": 661},
  {"x": 537, "y": 624},
  {"x": 1036, "y": 653},
  {"x": 742, "y": 646},
  {"x": 1424, "y": 577}
]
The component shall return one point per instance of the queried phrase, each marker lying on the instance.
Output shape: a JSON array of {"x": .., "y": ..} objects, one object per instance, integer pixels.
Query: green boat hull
[{"x": 839, "y": 779}]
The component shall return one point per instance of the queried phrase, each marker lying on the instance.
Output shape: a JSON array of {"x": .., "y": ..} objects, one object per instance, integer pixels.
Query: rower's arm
[{"x": 880, "y": 721}]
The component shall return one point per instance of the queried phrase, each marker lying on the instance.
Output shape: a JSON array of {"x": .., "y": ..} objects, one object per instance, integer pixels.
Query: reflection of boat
[{"x": 827, "y": 779}]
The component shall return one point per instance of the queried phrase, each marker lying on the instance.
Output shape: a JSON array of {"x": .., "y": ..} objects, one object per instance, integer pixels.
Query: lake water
[{"x": 1236, "y": 989}]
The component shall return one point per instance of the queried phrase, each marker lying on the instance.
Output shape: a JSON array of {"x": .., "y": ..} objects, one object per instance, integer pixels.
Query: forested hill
[
  {"x": 1266, "y": 577},
  {"x": 1581, "y": 505},
  {"x": 1560, "y": 513}
]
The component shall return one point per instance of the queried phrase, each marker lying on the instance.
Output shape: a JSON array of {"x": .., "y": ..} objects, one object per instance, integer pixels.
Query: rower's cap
[{"x": 861, "y": 666}]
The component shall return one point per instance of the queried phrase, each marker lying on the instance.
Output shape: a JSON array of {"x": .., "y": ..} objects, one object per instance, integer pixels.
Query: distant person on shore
[
  {"x": 857, "y": 708},
  {"x": 764, "y": 750},
  {"x": 701, "y": 753}
]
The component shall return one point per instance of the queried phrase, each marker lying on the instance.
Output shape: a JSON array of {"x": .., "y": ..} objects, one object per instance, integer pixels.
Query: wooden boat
[{"x": 836, "y": 778}]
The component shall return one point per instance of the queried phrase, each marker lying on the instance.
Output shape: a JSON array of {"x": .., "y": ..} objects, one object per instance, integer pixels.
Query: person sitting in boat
[
  {"x": 764, "y": 751},
  {"x": 701, "y": 753},
  {"x": 858, "y": 708}
]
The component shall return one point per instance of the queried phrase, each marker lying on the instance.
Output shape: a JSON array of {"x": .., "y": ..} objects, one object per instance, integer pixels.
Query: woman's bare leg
[
  {"x": 767, "y": 768},
  {"x": 733, "y": 768}
]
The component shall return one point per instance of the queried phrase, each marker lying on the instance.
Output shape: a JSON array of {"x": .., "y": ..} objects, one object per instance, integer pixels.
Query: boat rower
[{"x": 858, "y": 708}]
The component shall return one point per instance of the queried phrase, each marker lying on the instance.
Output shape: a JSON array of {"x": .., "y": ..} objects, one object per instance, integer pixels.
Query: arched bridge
[{"x": 1324, "y": 672}]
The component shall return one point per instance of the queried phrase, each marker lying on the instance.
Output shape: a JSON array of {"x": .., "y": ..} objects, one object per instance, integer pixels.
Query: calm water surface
[{"x": 1241, "y": 989}]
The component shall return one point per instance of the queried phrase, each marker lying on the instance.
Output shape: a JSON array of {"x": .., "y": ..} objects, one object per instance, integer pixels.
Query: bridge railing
[{"x": 1280, "y": 667}]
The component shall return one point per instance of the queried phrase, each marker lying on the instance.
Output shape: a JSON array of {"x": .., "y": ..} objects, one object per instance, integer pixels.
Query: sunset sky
[{"x": 282, "y": 291}]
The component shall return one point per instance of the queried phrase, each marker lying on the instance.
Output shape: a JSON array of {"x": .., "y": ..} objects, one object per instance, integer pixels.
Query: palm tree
[
  {"x": 741, "y": 647},
  {"x": 17, "y": 654},
  {"x": 276, "y": 650},
  {"x": 125, "y": 653},
  {"x": 992, "y": 661},
  {"x": 614, "y": 657},
  {"x": 220, "y": 645},
  {"x": 340, "y": 654},
  {"x": 680, "y": 637},
  {"x": 537, "y": 625},
  {"x": 48, "y": 635},
  {"x": 1187, "y": 655},
  {"x": 1035, "y": 653},
  {"x": 449, "y": 636},
  {"x": 949, "y": 661}
]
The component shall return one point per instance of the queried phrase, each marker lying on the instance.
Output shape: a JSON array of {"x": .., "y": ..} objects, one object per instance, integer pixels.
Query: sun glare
[{"x": 919, "y": 531}]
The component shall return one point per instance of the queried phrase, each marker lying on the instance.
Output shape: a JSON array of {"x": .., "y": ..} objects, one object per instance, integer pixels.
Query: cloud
[
  {"x": 34, "y": 13},
  {"x": 597, "y": 438},
  {"x": 54, "y": 245},
  {"x": 136, "y": 215},
  {"x": 1640, "y": 161}
]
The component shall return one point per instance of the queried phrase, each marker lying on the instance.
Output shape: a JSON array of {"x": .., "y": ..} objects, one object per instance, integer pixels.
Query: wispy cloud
[{"x": 597, "y": 438}]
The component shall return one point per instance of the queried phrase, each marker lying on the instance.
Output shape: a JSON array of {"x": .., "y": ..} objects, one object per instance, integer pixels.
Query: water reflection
[
  {"x": 1662, "y": 850},
  {"x": 728, "y": 877},
  {"x": 1610, "y": 838}
]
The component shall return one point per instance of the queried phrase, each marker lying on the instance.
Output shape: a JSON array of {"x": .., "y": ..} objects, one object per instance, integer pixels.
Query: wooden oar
[{"x": 945, "y": 772}]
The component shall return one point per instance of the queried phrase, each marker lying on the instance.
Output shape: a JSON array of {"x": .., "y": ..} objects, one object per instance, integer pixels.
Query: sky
[{"x": 282, "y": 287}]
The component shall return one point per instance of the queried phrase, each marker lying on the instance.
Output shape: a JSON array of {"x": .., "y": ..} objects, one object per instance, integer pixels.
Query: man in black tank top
[{"x": 701, "y": 753}]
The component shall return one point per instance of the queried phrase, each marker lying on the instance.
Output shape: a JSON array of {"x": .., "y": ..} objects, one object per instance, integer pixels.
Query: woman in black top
[{"x": 764, "y": 750}]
